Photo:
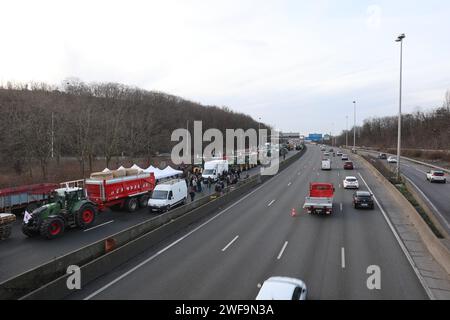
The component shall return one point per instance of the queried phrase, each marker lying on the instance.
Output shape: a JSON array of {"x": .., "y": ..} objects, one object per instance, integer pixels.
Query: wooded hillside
[
  {"x": 96, "y": 120},
  {"x": 420, "y": 130}
]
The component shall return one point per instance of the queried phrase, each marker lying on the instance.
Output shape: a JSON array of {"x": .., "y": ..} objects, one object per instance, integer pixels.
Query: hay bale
[
  {"x": 132, "y": 172},
  {"x": 7, "y": 218},
  {"x": 119, "y": 173},
  {"x": 101, "y": 175}
]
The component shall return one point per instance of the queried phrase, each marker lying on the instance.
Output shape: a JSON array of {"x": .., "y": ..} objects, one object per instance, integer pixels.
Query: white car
[
  {"x": 344, "y": 156},
  {"x": 351, "y": 182},
  {"x": 392, "y": 159},
  {"x": 436, "y": 176},
  {"x": 282, "y": 288}
]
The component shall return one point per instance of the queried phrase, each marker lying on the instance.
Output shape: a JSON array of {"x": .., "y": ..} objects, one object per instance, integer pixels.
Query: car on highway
[
  {"x": 339, "y": 153},
  {"x": 348, "y": 165},
  {"x": 344, "y": 156},
  {"x": 436, "y": 176},
  {"x": 363, "y": 199},
  {"x": 282, "y": 288},
  {"x": 382, "y": 156},
  {"x": 392, "y": 159},
  {"x": 351, "y": 182},
  {"x": 326, "y": 154}
]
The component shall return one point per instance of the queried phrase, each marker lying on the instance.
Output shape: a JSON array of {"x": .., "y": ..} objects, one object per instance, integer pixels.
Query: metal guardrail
[{"x": 410, "y": 159}]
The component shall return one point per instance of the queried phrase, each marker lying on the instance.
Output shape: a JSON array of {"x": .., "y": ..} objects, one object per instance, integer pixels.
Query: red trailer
[
  {"x": 129, "y": 192},
  {"x": 30, "y": 196}
]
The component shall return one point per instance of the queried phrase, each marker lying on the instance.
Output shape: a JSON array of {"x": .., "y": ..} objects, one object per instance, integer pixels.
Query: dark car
[
  {"x": 382, "y": 156},
  {"x": 348, "y": 165},
  {"x": 363, "y": 199}
]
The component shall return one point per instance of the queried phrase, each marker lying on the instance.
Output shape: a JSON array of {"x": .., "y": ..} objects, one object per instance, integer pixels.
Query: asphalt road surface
[
  {"x": 436, "y": 194},
  {"x": 20, "y": 253},
  {"x": 232, "y": 252}
]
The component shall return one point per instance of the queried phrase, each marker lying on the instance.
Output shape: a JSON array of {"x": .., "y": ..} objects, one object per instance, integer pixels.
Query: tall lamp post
[
  {"x": 346, "y": 131},
  {"x": 354, "y": 125},
  {"x": 399, "y": 131}
]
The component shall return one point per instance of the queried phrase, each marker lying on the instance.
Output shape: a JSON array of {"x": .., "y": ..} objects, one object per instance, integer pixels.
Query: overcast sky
[{"x": 296, "y": 64}]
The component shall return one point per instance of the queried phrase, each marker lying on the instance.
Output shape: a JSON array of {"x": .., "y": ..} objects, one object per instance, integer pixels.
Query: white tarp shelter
[{"x": 162, "y": 174}]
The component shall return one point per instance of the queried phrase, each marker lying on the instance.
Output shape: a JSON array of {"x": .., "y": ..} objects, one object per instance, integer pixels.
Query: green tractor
[{"x": 68, "y": 208}]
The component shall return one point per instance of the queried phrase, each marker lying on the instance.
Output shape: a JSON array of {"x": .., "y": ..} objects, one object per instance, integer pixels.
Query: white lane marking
[
  {"x": 429, "y": 201},
  {"x": 339, "y": 185},
  {"x": 100, "y": 225},
  {"x": 173, "y": 243},
  {"x": 282, "y": 250},
  {"x": 338, "y": 173},
  {"x": 230, "y": 243},
  {"x": 423, "y": 172},
  {"x": 271, "y": 202},
  {"x": 341, "y": 206},
  {"x": 402, "y": 245},
  {"x": 289, "y": 184},
  {"x": 343, "y": 258}
]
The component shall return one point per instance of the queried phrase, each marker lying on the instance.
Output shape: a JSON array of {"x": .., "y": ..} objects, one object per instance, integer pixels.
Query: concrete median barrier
[
  {"x": 48, "y": 281},
  {"x": 434, "y": 245}
]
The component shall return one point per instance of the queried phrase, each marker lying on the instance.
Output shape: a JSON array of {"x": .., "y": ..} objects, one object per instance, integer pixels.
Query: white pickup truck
[{"x": 320, "y": 198}]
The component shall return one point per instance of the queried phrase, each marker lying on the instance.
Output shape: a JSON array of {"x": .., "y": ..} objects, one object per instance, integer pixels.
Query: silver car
[{"x": 282, "y": 288}]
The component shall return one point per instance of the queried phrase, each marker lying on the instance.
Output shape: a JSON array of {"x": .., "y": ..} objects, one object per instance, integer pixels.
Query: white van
[
  {"x": 168, "y": 194},
  {"x": 326, "y": 164},
  {"x": 213, "y": 169}
]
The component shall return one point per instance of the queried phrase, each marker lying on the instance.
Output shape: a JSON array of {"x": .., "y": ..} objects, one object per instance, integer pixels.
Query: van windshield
[
  {"x": 208, "y": 172},
  {"x": 159, "y": 194}
]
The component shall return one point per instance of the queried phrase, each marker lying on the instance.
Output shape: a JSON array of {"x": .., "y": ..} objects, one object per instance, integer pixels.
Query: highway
[
  {"x": 229, "y": 254},
  {"x": 436, "y": 194},
  {"x": 20, "y": 253}
]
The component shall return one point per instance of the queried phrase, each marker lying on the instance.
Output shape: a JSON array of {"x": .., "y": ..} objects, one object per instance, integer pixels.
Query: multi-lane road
[
  {"x": 437, "y": 195},
  {"x": 19, "y": 253},
  {"x": 229, "y": 254}
]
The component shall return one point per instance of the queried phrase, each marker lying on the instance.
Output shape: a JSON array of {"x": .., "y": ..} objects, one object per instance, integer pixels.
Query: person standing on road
[
  {"x": 209, "y": 183},
  {"x": 192, "y": 193}
]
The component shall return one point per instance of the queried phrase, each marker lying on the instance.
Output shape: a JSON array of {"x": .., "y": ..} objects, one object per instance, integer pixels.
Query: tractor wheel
[
  {"x": 28, "y": 232},
  {"x": 52, "y": 228},
  {"x": 143, "y": 201},
  {"x": 131, "y": 204},
  {"x": 85, "y": 217}
]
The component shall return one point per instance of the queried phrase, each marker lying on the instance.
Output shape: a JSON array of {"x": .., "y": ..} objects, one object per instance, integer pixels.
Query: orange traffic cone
[{"x": 293, "y": 212}]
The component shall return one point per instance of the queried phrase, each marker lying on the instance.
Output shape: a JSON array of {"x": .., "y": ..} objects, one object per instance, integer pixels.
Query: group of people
[{"x": 196, "y": 183}]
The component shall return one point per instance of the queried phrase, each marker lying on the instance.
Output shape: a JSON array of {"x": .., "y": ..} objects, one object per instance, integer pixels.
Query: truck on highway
[
  {"x": 214, "y": 169},
  {"x": 326, "y": 164},
  {"x": 77, "y": 206},
  {"x": 17, "y": 199},
  {"x": 168, "y": 195},
  {"x": 320, "y": 198}
]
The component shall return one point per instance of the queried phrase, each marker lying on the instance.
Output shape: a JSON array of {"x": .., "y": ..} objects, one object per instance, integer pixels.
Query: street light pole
[
  {"x": 399, "y": 132},
  {"x": 346, "y": 131},
  {"x": 354, "y": 124}
]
